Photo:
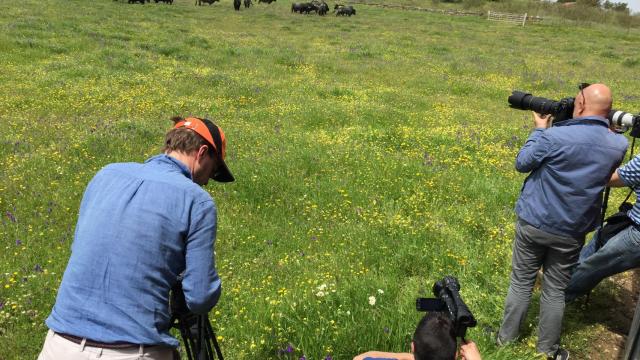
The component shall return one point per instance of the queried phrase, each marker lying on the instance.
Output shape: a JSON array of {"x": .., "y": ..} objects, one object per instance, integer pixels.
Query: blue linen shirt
[
  {"x": 569, "y": 164},
  {"x": 139, "y": 227}
]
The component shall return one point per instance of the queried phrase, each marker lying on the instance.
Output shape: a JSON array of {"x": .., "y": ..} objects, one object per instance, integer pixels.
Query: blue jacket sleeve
[
  {"x": 201, "y": 284},
  {"x": 534, "y": 151}
]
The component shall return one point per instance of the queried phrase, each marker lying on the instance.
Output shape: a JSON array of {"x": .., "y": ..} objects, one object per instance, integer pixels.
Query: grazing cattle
[
  {"x": 296, "y": 7},
  {"x": 344, "y": 10},
  {"x": 305, "y": 8},
  {"x": 164, "y": 1},
  {"x": 266, "y": 1},
  {"x": 247, "y": 3},
  {"x": 199, "y": 2},
  {"x": 236, "y": 5},
  {"x": 309, "y": 7},
  {"x": 323, "y": 9},
  {"x": 135, "y": 1}
]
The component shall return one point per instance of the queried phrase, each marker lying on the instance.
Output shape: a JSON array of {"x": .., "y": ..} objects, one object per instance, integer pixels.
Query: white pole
[{"x": 524, "y": 19}]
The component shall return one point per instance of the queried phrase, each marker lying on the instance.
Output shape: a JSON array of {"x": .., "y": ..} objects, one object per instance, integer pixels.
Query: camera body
[
  {"x": 448, "y": 299},
  {"x": 563, "y": 110}
]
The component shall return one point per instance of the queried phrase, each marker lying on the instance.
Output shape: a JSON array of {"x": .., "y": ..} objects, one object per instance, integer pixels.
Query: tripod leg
[
  {"x": 186, "y": 338},
  {"x": 216, "y": 346}
]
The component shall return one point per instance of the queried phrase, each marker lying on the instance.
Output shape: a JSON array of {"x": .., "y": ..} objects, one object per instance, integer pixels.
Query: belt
[{"x": 93, "y": 343}]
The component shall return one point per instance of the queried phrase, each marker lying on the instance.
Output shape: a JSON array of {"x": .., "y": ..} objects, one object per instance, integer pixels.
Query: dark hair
[
  {"x": 435, "y": 338},
  {"x": 183, "y": 140}
]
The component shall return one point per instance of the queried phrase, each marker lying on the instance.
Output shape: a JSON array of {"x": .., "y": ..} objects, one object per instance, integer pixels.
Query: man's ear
[
  {"x": 202, "y": 151},
  {"x": 581, "y": 104},
  {"x": 413, "y": 347}
]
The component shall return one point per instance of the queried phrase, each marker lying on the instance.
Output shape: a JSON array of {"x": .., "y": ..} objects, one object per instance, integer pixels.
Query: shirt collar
[
  {"x": 171, "y": 162},
  {"x": 595, "y": 119}
]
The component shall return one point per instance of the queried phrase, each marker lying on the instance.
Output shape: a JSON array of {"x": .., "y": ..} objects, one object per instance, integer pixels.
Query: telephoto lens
[
  {"x": 622, "y": 119},
  {"x": 525, "y": 101}
]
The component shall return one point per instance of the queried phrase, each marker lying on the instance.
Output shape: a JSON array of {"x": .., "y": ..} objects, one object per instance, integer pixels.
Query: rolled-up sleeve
[
  {"x": 201, "y": 284},
  {"x": 534, "y": 151}
]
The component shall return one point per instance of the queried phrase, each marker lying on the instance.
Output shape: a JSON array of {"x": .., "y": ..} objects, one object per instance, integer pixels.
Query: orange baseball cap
[{"x": 214, "y": 135}]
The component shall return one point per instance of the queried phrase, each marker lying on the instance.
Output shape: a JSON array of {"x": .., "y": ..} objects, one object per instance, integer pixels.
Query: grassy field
[{"x": 373, "y": 155}]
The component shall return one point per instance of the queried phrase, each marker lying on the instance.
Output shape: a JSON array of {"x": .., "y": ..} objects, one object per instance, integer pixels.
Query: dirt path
[{"x": 616, "y": 314}]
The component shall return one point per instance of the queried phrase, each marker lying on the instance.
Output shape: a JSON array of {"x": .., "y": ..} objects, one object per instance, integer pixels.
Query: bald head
[{"x": 593, "y": 100}]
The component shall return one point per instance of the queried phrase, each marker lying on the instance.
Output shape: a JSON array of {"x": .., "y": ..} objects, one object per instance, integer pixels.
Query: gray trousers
[{"x": 556, "y": 254}]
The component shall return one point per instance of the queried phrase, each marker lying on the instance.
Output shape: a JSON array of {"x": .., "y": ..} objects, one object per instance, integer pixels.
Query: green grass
[{"x": 371, "y": 152}]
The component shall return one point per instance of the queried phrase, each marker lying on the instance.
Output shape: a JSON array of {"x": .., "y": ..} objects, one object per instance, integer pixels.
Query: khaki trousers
[{"x": 58, "y": 348}]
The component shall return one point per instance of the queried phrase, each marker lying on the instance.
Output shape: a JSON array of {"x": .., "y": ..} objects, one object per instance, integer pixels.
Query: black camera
[
  {"x": 448, "y": 299},
  {"x": 563, "y": 110},
  {"x": 560, "y": 110}
]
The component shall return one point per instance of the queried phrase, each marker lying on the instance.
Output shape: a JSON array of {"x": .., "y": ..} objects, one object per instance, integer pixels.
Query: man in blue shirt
[
  {"x": 140, "y": 227},
  {"x": 568, "y": 164}
]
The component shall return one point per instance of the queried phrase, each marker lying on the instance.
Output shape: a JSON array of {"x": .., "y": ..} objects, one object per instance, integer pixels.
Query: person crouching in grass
[{"x": 434, "y": 339}]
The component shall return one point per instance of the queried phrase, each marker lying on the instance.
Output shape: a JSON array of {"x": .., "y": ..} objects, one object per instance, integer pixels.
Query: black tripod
[{"x": 198, "y": 336}]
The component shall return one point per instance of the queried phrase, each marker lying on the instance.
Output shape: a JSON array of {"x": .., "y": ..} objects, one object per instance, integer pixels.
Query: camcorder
[
  {"x": 563, "y": 110},
  {"x": 448, "y": 300},
  {"x": 198, "y": 337}
]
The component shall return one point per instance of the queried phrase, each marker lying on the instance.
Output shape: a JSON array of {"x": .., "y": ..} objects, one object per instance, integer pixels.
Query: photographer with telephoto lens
[
  {"x": 142, "y": 230},
  {"x": 569, "y": 165}
]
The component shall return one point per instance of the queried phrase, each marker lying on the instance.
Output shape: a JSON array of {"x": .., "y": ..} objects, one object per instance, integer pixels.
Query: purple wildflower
[
  {"x": 18, "y": 242},
  {"x": 37, "y": 268},
  {"x": 328, "y": 357},
  {"x": 289, "y": 348},
  {"x": 1, "y": 304},
  {"x": 386, "y": 330},
  {"x": 10, "y": 216},
  {"x": 303, "y": 357}
]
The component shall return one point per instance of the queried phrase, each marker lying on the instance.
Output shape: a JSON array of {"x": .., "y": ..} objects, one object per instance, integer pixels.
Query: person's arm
[
  {"x": 536, "y": 148},
  {"x": 384, "y": 355},
  {"x": 201, "y": 284},
  {"x": 627, "y": 175},
  {"x": 615, "y": 180},
  {"x": 469, "y": 351}
]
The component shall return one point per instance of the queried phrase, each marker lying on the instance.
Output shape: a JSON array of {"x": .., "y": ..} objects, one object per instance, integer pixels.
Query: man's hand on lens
[{"x": 541, "y": 121}]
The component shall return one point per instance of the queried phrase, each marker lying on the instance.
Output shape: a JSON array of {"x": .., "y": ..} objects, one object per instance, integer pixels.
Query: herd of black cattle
[
  {"x": 318, "y": 6},
  {"x": 321, "y": 8}
]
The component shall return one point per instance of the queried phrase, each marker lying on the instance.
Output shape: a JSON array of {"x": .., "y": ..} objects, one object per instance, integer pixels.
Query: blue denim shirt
[
  {"x": 139, "y": 227},
  {"x": 569, "y": 165}
]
